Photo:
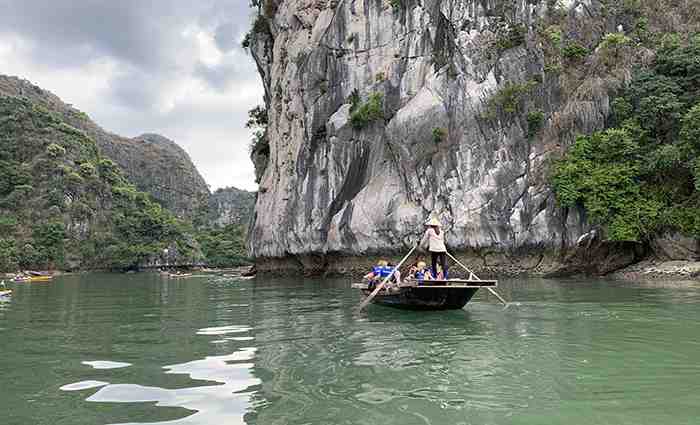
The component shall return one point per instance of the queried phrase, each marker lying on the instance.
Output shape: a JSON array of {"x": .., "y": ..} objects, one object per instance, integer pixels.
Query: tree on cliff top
[{"x": 257, "y": 122}]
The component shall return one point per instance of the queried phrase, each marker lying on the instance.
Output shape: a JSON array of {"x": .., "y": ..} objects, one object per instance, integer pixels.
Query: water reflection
[
  {"x": 227, "y": 401},
  {"x": 101, "y": 364},
  {"x": 83, "y": 385}
]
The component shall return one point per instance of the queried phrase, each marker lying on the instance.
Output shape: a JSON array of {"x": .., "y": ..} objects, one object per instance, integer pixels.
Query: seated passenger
[{"x": 375, "y": 276}]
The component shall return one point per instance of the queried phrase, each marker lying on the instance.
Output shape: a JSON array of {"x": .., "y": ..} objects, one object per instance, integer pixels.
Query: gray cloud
[
  {"x": 136, "y": 90},
  {"x": 226, "y": 36},
  {"x": 154, "y": 60}
]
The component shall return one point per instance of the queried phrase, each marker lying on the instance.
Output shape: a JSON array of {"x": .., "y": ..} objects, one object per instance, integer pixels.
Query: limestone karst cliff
[
  {"x": 153, "y": 163},
  {"x": 230, "y": 206},
  {"x": 384, "y": 112}
]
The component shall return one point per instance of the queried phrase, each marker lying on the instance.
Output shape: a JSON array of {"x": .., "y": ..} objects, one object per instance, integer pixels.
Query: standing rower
[{"x": 434, "y": 241}]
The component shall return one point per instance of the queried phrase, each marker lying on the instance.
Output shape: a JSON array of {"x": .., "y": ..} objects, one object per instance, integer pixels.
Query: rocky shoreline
[
  {"x": 661, "y": 270},
  {"x": 543, "y": 264}
]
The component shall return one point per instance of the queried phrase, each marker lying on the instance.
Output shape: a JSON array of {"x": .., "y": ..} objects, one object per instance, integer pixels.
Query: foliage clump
[
  {"x": 513, "y": 37},
  {"x": 439, "y": 134},
  {"x": 535, "y": 122},
  {"x": 611, "y": 47},
  {"x": 575, "y": 51},
  {"x": 224, "y": 246},
  {"x": 257, "y": 123},
  {"x": 509, "y": 97},
  {"x": 642, "y": 176},
  {"x": 364, "y": 113}
]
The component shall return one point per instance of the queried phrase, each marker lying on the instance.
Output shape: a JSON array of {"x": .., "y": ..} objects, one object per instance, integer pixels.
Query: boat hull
[
  {"x": 425, "y": 298},
  {"x": 41, "y": 279}
]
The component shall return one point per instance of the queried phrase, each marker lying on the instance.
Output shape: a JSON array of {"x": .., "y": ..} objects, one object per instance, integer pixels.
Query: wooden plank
[
  {"x": 457, "y": 281},
  {"x": 450, "y": 286}
]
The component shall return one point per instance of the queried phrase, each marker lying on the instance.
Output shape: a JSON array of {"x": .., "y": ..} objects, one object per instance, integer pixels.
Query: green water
[{"x": 222, "y": 351}]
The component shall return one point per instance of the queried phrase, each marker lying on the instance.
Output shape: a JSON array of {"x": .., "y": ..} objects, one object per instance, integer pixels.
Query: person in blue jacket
[{"x": 380, "y": 272}]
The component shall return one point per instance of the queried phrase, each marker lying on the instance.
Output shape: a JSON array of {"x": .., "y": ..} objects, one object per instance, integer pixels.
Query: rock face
[
  {"x": 231, "y": 206},
  {"x": 162, "y": 168},
  {"x": 153, "y": 163},
  {"x": 676, "y": 247},
  {"x": 459, "y": 82}
]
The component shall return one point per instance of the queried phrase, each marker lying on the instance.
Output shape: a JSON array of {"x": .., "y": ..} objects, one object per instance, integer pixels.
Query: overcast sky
[{"x": 173, "y": 67}]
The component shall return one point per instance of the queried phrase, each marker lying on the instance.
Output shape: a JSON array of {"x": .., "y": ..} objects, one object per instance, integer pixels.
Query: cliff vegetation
[{"x": 641, "y": 177}]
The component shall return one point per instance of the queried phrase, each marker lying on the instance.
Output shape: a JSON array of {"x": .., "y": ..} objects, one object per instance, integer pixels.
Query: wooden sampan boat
[{"x": 428, "y": 295}]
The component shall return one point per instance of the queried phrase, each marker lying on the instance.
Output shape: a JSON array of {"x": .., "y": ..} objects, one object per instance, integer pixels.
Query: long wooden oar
[
  {"x": 473, "y": 275},
  {"x": 386, "y": 279}
]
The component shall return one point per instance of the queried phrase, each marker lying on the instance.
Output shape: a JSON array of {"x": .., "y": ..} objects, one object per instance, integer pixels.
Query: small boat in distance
[
  {"x": 40, "y": 278},
  {"x": 451, "y": 294},
  {"x": 179, "y": 275},
  {"x": 32, "y": 277},
  {"x": 4, "y": 292}
]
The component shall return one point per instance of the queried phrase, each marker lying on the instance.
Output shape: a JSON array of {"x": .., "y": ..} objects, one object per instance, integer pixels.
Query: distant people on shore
[{"x": 434, "y": 242}]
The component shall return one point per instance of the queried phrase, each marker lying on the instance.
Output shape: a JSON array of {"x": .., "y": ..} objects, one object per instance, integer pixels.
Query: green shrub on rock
[
  {"x": 439, "y": 134},
  {"x": 362, "y": 114},
  {"x": 535, "y": 122},
  {"x": 575, "y": 51}
]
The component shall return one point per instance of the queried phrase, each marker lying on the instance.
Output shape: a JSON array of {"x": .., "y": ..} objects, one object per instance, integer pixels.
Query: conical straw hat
[{"x": 433, "y": 222}]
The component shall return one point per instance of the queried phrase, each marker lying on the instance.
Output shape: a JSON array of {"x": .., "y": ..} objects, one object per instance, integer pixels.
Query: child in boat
[{"x": 423, "y": 272}]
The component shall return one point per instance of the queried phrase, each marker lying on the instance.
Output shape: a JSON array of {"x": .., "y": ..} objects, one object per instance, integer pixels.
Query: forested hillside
[
  {"x": 64, "y": 205},
  {"x": 153, "y": 163}
]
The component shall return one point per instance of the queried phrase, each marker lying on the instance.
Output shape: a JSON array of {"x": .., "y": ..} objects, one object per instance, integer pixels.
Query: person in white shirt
[{"x": 434, "y": 242}]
